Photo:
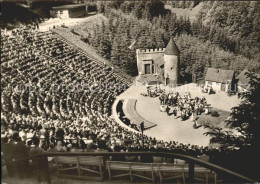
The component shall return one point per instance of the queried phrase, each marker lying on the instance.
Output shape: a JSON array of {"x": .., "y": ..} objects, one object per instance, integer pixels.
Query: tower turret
[{"x": 171, "y": 63}]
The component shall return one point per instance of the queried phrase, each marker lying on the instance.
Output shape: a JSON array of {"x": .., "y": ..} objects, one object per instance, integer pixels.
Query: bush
[{"x": 215, "y": 114}]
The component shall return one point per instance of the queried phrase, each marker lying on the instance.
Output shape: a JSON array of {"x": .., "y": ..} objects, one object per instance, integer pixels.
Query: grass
[
  {"x": 218, "y": 122},
  {"x": 214, "y": 121},
  {"x": 191, "y": 13},
  {"x": 87, "y": 26}
]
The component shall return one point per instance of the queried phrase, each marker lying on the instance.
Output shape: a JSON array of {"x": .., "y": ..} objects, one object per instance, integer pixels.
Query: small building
[
  {"x": 159, "y": 65},
  {"x": 68, "y": 11},
  {"x": 243, "y": 81},
  {"x": 220, "y": 80}
]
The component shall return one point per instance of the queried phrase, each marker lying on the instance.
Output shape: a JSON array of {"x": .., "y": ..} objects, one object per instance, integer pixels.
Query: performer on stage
[
  {"x": 175, "y": 113},
  {"x": 168, "y": 110}
]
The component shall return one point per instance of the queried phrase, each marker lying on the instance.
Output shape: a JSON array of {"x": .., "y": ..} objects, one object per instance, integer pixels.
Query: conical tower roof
[{"x": 172, "y": 48}]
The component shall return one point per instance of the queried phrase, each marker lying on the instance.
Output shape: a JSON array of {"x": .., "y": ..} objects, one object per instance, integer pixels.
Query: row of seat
[
  {"x": 86, "y": 167},
  {"x": 80, "y": 167},
  {"x": 165, "y": 171},
  {"x": 81, "y": 45},
  {"x": 61, "y": 68}
]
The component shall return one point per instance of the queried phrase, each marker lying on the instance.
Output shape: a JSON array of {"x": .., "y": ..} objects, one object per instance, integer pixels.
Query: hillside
[
  {"x": 14, "y": 15},
  {"x": 241, "y": 19},
  {"x": 199, "y": 49},
  {"x": 234, "y": 21}
]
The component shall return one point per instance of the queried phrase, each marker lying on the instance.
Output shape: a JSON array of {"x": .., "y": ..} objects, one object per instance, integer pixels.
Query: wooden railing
[{"x": 226, "y": 174}]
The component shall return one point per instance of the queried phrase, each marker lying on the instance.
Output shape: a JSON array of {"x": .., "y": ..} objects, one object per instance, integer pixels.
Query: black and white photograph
[{"x": 130, "y": 91}]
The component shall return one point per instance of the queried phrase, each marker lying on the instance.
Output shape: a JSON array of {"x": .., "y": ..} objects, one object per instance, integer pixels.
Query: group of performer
[{"x": 184, "y": 107}]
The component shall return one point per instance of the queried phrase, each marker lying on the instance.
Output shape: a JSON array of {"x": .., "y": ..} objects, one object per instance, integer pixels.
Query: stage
[{"x": 168, "y": 128}]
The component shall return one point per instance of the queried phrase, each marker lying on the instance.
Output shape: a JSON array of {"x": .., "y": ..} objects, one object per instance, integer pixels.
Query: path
[{"x": 45, "y": 26}]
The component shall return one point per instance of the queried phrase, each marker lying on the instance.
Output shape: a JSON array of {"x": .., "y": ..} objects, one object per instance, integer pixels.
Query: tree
[
  {"x": 159, "y": 39},
  {"x": 139, "y": 7},
  {"x": 246, "y": 117},
  {"x": 245, "y": 120},
  {"x": 115, "y": 51}
]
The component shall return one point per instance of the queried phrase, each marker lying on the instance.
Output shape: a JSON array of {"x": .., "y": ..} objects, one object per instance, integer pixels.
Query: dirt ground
[{"x": 45, "y": 26}]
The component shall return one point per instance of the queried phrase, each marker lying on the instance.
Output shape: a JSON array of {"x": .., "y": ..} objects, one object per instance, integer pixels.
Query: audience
[{"x": 56, "y": 99}]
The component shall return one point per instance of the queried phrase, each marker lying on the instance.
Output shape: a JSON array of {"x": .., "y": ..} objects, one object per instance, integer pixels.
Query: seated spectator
[
  {"x": 59, "y": 147},
  {"x": 38, "y": 162},
  {"x": 7, "y": 155},
  {"x": 117, "y": 148},
  {"x": 50, "y": 112},
  {"x": 156, "y": 159},
  {"x": 82, "y": 146},
  {"x": 131, "y": 158},
  {"x": 69, "y": 148},
  {"x": 20, "y": 152},
  {"x": 90, "y": 147},
  {"x": 51, "y": 148},
  {"x": 101, "y": 147}
]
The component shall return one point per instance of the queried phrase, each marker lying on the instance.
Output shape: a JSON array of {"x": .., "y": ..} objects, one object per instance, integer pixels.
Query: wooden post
[{"x": 191, "y": 173}]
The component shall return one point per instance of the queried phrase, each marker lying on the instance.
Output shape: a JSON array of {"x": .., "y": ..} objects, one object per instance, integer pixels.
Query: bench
[
  {"x": 174, "y": 171},
  {"x": 131, "y": 169},
  {"x": 201, "y": 174},
  {"x": 81, "y": 167}
]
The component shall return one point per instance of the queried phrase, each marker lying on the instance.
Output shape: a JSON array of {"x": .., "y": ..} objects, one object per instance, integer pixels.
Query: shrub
[{"x": 215, "y": 114}]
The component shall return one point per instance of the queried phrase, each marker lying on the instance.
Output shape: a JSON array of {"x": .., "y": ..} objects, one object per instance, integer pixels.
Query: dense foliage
[
  {"x": 129, "y": 25},
  {"x": 13, "y": 15},
  {"x": 244, "y": 140},
  {"x": 183, "y": 4},
  {"x": 235, "y": 24}
]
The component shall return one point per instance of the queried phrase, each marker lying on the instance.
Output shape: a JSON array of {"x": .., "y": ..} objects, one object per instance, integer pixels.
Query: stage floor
[{"x": 168, "y": 128}]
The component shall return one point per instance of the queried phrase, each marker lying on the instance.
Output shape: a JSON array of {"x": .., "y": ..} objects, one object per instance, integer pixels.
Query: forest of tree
[
  {"x": 183, "y": 4},
  {"x": 244, "y": 145},
  {"x": 149, "y": 25},
  {"x": 18, "y": 16},
  {"x": 234, "y": 23},
  {"x": 225, "y": 35}
]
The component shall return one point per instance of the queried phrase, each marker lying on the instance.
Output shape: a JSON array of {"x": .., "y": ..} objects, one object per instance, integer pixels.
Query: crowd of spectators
[{"x": 44, "y": 106}]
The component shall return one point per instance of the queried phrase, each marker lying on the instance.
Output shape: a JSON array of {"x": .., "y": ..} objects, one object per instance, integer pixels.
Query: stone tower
[{"x": 172, "y": 62}]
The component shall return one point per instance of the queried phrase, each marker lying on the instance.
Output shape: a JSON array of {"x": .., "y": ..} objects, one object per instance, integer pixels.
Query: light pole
[{"x": 142, "y": 130}]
